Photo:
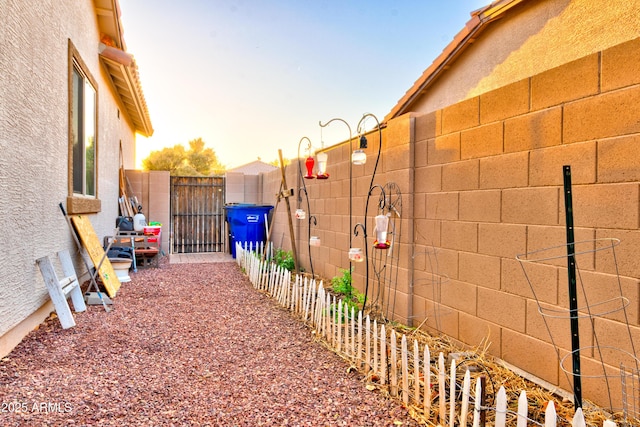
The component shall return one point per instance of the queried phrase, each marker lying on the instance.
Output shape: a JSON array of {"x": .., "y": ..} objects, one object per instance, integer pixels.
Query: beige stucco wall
[
  {"x": 529, "y": 39},
  {"x": 34, "y": 144}
]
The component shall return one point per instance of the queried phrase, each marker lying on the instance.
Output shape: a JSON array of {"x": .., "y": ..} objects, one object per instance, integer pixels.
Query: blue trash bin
[{"x": 246, "y": 224}]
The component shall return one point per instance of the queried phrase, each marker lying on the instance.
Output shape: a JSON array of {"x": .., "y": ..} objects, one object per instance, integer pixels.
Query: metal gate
[{"x": 197, "y": 214}]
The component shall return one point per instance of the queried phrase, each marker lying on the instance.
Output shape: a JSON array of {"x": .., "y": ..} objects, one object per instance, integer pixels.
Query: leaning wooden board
[{"x": 91, "y": 243}]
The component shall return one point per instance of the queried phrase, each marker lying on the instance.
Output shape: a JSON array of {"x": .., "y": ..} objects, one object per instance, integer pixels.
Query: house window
[
  {"x": 83, "y": 140},
  {"x": 83, "y": 127}
]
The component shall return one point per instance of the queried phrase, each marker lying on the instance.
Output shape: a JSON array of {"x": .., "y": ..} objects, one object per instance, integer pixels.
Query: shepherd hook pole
[{"x": 573, "y": 294}]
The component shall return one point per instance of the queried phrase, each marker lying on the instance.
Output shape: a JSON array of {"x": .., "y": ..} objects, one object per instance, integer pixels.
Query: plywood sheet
[{"x": 92, "y": 244}]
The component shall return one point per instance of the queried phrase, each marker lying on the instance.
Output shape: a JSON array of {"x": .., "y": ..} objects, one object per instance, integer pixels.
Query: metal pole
[
  {"x": 350, "y": 181},
  {"x": 573, "y": 294},
  {"x": 366, "y": 206},
  {"x": 306, "y": 195}
]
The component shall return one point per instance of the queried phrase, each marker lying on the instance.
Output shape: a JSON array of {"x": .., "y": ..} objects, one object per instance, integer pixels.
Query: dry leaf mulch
[{"x": 185, "y": 344}]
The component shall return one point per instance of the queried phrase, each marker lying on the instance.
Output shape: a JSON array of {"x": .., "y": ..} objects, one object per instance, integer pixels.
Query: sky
[{"x": 251, "y": 77}]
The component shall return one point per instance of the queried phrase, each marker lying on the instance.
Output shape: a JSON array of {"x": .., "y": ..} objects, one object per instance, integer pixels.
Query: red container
[{"x": 152, "y": 230}]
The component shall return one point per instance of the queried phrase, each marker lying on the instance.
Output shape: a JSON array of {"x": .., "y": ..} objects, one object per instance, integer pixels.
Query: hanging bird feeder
[{"x": 382, "y": 224}]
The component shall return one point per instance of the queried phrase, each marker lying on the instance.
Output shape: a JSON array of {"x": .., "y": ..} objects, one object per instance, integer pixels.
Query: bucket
[
  {"x": 151, "y": 230},
  {"x": 121, "y": 267}
]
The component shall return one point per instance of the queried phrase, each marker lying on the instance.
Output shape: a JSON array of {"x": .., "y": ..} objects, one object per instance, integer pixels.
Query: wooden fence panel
[{"x": 197, "y": 214}]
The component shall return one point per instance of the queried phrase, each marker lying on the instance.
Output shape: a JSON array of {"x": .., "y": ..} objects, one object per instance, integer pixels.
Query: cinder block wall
[
  {"x": 329, "y": 203},
  {"x": 489, "y": 186},
  {"x": 241, "y": 188},
  {"x": 482, "y": 182},
  {"x": 153, "y": 189},
  {"x": 234, "y": 187}
]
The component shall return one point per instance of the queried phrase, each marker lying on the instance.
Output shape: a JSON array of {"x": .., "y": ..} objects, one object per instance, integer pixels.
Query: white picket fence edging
[{"x": 365, "y": 344}]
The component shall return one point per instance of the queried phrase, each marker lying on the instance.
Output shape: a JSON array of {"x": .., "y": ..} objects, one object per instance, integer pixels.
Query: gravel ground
[{"x": 186, "y": 344}]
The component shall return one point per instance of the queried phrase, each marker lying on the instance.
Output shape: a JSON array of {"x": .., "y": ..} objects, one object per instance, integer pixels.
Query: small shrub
[
  {"x": 342, "y": 284},
  {"x": 284, "y": 259},
  {"x": 352, "y": 298}
]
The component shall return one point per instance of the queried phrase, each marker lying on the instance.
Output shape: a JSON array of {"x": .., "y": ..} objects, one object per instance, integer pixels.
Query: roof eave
[
  {"x": 123, "y": 72},
  {"x": 121, "y": 66},
  {"x": 480, "y": 18}
]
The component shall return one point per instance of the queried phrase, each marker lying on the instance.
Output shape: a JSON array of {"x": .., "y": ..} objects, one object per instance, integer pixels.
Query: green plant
[
  {"x": 351, "y": 297},
  {"x": 342, "y": 284},
  {"x": 284, "y": 259}
]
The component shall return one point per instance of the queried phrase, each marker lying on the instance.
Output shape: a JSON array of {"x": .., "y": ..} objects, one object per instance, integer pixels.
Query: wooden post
[
  {"x": 375, "y": 347},
  {"x": 288, "y": 194},
  {"x": 367, "y": 344},
  {"x": 501, "y": 407},
  {"x": 427, "y": 381},
  {"x": 405, "y": 370},
  {"x": 466, "y": 388},
  {"x": 383, "y": 355},
  {"x": 394, "y": 364},
  {"x": 452, "y": 393},
  {"x": 339, "y": 326},
  {"x": 353, "y": 331},
  {"x": 270, "y": 228}
]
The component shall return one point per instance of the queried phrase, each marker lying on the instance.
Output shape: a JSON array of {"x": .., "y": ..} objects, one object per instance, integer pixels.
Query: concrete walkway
[{"x": 200, "y": 258}]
